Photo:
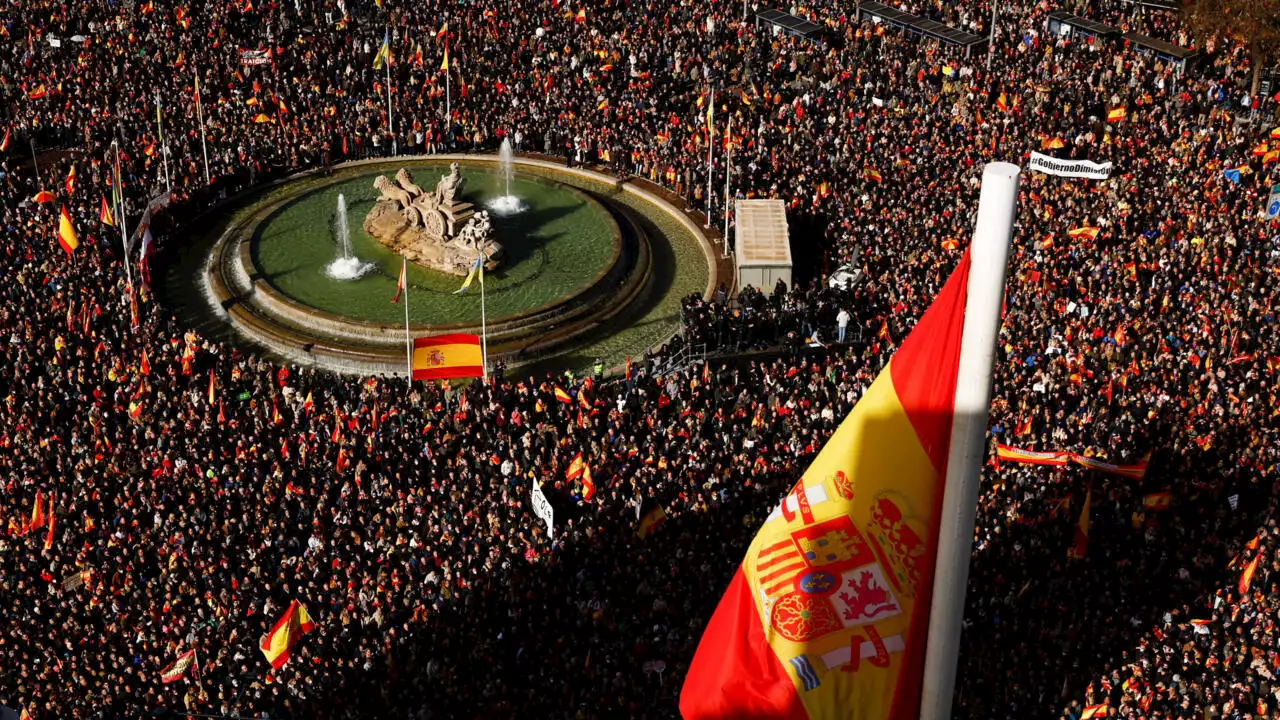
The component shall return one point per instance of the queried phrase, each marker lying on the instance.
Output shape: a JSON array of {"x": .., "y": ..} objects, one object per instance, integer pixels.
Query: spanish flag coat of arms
[{"x": 827, "y": 614}]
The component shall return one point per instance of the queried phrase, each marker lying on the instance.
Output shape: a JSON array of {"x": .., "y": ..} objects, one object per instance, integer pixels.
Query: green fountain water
[{"x": 554, "y": 246}]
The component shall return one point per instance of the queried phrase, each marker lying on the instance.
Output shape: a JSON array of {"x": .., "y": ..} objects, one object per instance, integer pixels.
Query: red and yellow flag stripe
[
  {"x": 292, "y": 625},
  {"x": 828, "y": 613},
  {"x": 447, "y": 356}
]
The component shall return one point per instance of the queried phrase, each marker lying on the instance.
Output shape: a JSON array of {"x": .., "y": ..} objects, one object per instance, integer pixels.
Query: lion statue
[
  {"x": 406, "y": 181},
  {"x": 392, "y": 193}
]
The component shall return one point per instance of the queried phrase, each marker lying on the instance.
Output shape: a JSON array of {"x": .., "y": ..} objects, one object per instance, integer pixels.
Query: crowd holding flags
[{"x": 179, "y": 667}]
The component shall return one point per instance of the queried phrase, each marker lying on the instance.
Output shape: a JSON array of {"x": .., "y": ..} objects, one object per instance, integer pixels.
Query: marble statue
[{"x": 436, "y": 229}]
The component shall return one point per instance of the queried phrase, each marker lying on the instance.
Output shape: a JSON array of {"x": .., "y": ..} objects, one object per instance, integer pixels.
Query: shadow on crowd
[
  {"x": 1043, "y": 629},
  {"x": 501, "y": 648}
]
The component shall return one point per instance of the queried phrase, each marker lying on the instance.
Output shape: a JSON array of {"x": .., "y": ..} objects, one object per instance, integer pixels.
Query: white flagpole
[
  {"x": 124, "y": 234},
  {"x": 391, "y": 121},
  {"x": 35, "y": 163},
  {"x": 448, "y": 112},
  {"x": 728, "y": 171},
  {"x": 711, "y": 146},
  {"x": 164, "y": 146},
  {"x": 989, "y": 256},
  {"x": 408, "y": 341},
  {"x": 195, "y": 658},
  {"x": 204, "y": 147},
  {"x": 484, "y": 331}
]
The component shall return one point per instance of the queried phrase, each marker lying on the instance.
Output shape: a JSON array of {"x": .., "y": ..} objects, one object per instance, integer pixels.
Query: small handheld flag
[
  {"x": 178, "y": 668},
  {"x": 67, "y": 232},
  {"x": 104, "y": 214},
  {"x": 288, "y": 630}
]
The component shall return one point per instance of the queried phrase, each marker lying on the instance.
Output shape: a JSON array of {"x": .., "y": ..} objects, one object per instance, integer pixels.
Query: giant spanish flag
[
  {"x": 828, "y": 613},
  {"x": 447, "y": 356},
  {"x": 292, "y": 626}
]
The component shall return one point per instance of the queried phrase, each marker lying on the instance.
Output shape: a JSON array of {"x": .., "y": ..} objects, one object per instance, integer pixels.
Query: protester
[{"x": 191, "y": 491}]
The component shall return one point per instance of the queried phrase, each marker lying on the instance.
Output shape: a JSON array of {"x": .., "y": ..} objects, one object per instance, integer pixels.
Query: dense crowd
[{"x": 195, "y": 490}]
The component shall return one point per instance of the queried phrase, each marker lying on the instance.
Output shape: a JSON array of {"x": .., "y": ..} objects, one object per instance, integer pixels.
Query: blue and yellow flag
[
  {"x": 384, "y": 52},
  {"x": 475, "y": 268}
]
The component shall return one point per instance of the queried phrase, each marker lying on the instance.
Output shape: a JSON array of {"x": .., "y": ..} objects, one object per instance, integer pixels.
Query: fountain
[
  {"x": 507, "y": 204},
  {"x": 346, "y": 266}
]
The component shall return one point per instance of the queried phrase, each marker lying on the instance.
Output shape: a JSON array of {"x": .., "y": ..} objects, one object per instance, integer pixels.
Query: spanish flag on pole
[
  {"x": 67, "y": 232},
  {"x": 447, "y": 356},
  {"x": 828, "y": 613},
  {"x": 292, "y": 626}
]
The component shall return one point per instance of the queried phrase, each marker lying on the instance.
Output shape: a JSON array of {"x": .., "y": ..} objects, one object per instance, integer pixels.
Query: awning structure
[
  {"x": 1061, "y": 22},
  {"x": 763, "y": 247},
  {"x": 922, "y": 26},
  {"x": 789, "y": 23}
]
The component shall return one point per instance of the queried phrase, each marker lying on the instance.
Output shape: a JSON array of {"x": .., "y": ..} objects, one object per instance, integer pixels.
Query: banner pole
[
  {"x": 164, "y": 147},
  {"x": 124, "y": 234},
  {"x": 728, "y": 172},
  {"x": 204, "y": 146},
  {"x": 989, "y": 256},
  {"x": 391, "y": 120},
  {"x": 408, "y": 341},
  {"x": 711, "y": 147},
  {"x": 484, "y": 330}
]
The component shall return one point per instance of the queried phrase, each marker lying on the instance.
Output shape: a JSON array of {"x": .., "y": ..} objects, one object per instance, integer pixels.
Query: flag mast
[
  {"x": 448, "y": 110},
  {"x": 711, "y": 148},
  {"x": 989, "y": 255},
  {"x": 728, "y": 172},
  {"x": 164, "y": 147},
  {"x": 408, "y": 341},
  {"x": 391, "y": 128},
  {"x": 484, "y": 332},
  {"x": 195, "y": 656},
  {"x": 204, "y": 147},
  {"x": 124, "y": 234}
]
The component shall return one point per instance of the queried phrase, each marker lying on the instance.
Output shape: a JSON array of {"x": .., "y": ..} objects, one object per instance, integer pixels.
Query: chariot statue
[{"x": 436, "y": 229}]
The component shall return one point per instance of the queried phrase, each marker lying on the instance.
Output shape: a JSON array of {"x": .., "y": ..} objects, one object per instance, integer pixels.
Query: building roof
[{"x": 762, "y": 237}]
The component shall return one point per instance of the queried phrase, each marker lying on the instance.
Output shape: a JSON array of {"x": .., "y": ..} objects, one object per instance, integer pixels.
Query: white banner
[
  {"x": 542, "y": 508},
  {"x": 159, "y": 201},
  {"x": 255, "y": 57},
  {"x": 1069, "y": 168}
]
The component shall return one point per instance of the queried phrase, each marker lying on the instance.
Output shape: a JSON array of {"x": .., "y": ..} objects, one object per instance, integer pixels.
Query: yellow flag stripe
[{"x": 870, "y": 493}]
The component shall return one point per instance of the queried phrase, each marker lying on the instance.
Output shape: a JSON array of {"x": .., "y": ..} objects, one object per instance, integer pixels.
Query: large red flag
[{"x": 828, "y": 613}]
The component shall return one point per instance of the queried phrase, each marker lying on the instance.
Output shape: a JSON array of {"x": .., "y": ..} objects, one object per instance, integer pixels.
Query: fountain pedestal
[{"x": 435, "y": 229}]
